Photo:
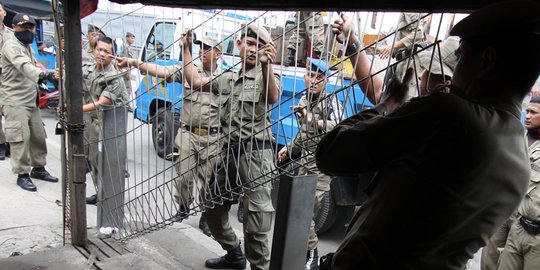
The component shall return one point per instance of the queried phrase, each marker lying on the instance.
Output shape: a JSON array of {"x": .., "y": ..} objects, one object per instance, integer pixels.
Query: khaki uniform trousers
[
  {"x": 26, "y": 136},
  {"x": 491, "y": 252},
  {"x": 91, "y": 141},
  {"x": 323, "y": 185},
  {"x": 522, "y": 250},
  {"x": 253, "y": 177},
  {"x": 310, "y": 27},
  {"x": 196, "y": 165},
  {"x": 2, "y": 134}
]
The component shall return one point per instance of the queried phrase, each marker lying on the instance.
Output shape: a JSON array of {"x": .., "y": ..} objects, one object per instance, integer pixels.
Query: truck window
[{"x": 159, "y": 44}]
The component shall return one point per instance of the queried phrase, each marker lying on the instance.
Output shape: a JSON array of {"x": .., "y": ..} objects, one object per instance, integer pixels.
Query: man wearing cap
[
  {"x": 318, "y": 112},
  {"x": 5, "y": 33},
  {"x": 24, "y": 127},
  {"x": 523, "y": 243},
  {"x": 92, "y": 36},
  {"x": 127, "y": 51},
  {"x": 103, "y": 85},
  {"x": 198, "y": 138},
  {"x": 451, "y": 166},
  {"x": 248, "y": 166},
  {"x": 438, "y": 64}
]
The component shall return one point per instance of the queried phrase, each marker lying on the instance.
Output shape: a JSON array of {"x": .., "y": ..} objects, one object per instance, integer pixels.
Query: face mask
[{"x": 25, "y": 37}]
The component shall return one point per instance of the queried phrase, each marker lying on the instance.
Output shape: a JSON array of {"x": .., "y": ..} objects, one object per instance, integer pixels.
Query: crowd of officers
[{"x": 225, "y": 139}]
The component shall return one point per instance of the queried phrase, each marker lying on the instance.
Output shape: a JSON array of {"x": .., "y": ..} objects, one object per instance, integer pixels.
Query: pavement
[{"x": 31, "y": 230}]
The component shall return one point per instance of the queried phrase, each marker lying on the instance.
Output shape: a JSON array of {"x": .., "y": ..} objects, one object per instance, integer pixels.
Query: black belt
[
  {"x": 202, "y": 131},
  {"x": 529, "y": 226}
]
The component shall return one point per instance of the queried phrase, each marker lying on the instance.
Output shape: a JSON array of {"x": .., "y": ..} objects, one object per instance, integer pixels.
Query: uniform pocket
[
  {"x": 258, "y": 222},
  {"x": 534, "y": 184},
  {"x": 13, "y": 131}
]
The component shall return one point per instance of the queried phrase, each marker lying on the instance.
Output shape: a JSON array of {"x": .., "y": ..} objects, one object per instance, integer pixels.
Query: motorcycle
[{"x": 48, "y": 98}]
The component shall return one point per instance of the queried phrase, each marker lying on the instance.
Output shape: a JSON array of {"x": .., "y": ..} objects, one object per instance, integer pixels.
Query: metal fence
[{"x": 143, "y": 165}]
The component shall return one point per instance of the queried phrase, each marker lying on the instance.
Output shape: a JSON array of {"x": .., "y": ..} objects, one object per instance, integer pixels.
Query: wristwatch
[{"x": 352, "y": 48}]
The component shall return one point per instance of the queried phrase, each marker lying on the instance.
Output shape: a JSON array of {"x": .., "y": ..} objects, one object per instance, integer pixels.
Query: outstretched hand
[
  {"x": 121, "y": 62},
  {"x": 396, "y": 91}
]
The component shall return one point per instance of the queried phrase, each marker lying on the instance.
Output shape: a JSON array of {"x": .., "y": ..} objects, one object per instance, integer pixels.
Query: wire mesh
[{"x": 179, "y": 140}]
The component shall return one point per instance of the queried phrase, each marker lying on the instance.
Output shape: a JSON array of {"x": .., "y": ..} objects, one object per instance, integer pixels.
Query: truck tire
[
  {"x": 163, "y": 132},
  {"x": 331, "y": 215}
]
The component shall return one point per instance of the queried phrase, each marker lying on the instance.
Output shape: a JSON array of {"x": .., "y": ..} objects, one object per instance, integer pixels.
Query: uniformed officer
[
  {"x": 24, "y": 128},
  {"x": 451, "y": 166},
  {"x": 410, "y": 30},
  {"x": 198, "y": 138},
  {"x": 92, "y": 35},
  {"x": 128, "y": 45},
  {"x": 318, "y": 112},
  {"x": 523, "y": 242},
  {"x": 438, "y": 64},
  {"x": 409, "y": 33},
  {"x": 310, "y": 26},
  {"x": 248, "y": 165},
  {"x": 103, "y": 85},
  {"x": 127, "y": 51},
  {"x": 5, "y": 33}
]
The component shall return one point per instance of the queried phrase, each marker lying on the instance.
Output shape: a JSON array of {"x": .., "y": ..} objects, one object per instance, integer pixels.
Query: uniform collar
[{"x": 252, "y": 73}]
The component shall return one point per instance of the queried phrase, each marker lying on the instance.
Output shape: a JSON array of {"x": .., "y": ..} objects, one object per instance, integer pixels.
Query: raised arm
[
  {"x": 267, "y": 55},
  {"x": 148, "y": 68},
  {"x": 190, "y": 71},
  {"x": 371, "y": 85}
]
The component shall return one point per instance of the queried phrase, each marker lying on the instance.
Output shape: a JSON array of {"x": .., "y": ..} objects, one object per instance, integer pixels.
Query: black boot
[
  {"x": 234, "y": 259},
  {"x": 203, "y": 225},
  {"x": 289, "y": 61},
  {"x": 25, "y": 182},
  {"x": 312, "y": 261},
  {"x": 240, "y": 212},
  {"x": 42, "y": 174},
  {"x": 2, "y": 151},
  {"x": 183, "y": 213}
]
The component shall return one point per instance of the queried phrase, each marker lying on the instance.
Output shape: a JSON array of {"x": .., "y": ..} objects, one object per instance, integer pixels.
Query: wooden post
[{"x": 75, "y": 124}]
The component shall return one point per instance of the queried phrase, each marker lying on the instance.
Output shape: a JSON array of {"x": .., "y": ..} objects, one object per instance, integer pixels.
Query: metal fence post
[
  {"x": 294, "y": 212},
  {"x": 112, "y": 164},
  {"x": 74, "y": 201}
]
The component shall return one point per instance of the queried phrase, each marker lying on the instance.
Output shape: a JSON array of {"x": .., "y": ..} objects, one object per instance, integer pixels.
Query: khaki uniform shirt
[
  {"x": 412, "y": 33},
  {"x": 246, "y": 113},
  {"x": 199, "y": 108},
  {"x": 108, "y": 83},
  {"x": 87, "y": 56},
  {"x": 450, "y": 171},
  {"x": 328, "y": 111},
  {"x": 20, "y": 74},
  {"x": 128, "y": 51},
  {"x": 530, "y": 206},
  {"x": 5, "y": 33}
]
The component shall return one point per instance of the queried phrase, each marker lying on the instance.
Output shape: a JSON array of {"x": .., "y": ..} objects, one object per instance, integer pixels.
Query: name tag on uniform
[{"x": 251, "y": 86}]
